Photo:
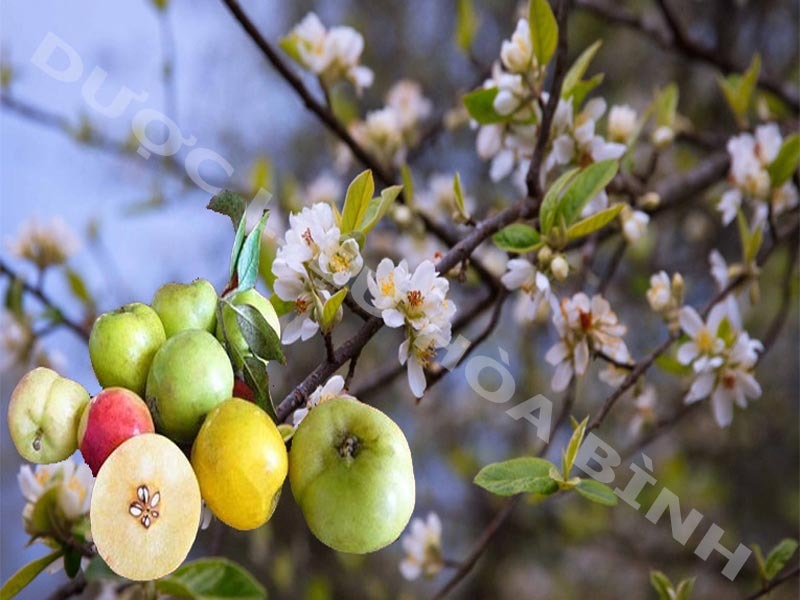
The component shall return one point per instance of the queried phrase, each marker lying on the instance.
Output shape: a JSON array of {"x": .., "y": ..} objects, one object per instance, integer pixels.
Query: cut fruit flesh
[{"x": 145, "y": 508}]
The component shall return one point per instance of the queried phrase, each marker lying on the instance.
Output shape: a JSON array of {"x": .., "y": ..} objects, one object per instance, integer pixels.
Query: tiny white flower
[
  {"x": 659, "y": 294},
  {"x": 522, "y": 275},
  {"x": 634, "y": 224},
  {"x": 560, "y": 267},
  {"x": 621, "y": 123},
  {"x": 332, "y": 389},
  {"x": 44, "y": 244},
  {"x": 423, "y": 548},
  {"x": 644, "y": 403},
  {"x": 405, "y": 97},
  {"x": 662, "y": 137},
  {"x": 517, "y": 53},
  {"x": 704, "y": 340}
]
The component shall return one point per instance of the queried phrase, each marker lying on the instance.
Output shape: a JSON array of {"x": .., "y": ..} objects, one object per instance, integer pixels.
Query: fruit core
[
  {"x": 144, "y": 508},
  {"x": 349, "y": 446}
]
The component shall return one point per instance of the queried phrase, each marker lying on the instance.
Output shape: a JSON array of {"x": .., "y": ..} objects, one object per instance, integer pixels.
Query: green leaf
[
  {"x": 666, "y": 105},
  {"x": 256, "y": 377},
  {"x": 480, "y": 106},
  {"x": 779, "y": 556},
  {"x": 516, "y": 476},
  {"x": 378, "y": 207},
  {"x": 331, "y": 308},
  {"x": 359, "y": 194},
  {"x": 787, "y": 161},
  {"x": 238, "y": 241},
  {"x": 586, "y": 185},
  {"x": 282, "y": 307},
  {"x": 230, "y": 204},
  {"x": 466, "y": 24},
  {"x": 583, "y": 88},
  {"x": 458, "y": 192},
  {"x": 575, "y": 73},
  {"x": 98, "y": 570},
  {"x": 547, "y": 212},
  {"x": 13, "y": 299},
  {"x": 662, "y": 585},
  {"x": 596, "y": 492},
  {"x": 684, "y": 589},
  {"x": 78, "y": 287},
  {"x": 738, "y": 89},
  {"x": 247, "y": 262},
  {"x": 408, "y": 185},
  {"x": 544, "y": 30},
  {"x": 573, "y": 446},
  {"x": 517, "y": 237},
  {"x": 17, "y": 582},
  {"x": 72, "y": 562},
  {"x": 760, "y": 566},
  {"x": 261, "y": 338},
  {"x": 212, "y": 579},
  {"x": 594, "y": 222}
]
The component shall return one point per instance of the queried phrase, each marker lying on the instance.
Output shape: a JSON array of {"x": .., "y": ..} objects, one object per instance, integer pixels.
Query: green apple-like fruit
[
  {"x": 184, "y": 306},
  {"x": 350, "y": 471},
  {"x": 122, "y": 346},
  {"x": 44, "y": 414},
  {"x": 190, "y": 375},
  {"x": 257, "y": 301}
]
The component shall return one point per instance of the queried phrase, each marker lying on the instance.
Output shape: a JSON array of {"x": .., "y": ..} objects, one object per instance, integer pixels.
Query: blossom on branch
[
  {"x": 332, "y": 389},
  {"x": 44, "y": 244},
  {"x": 534, "y": 301},
  {"x": 584, "y": 326},
  {"x": 423, "y": 548},
  {"x": 417, "y": 301}
]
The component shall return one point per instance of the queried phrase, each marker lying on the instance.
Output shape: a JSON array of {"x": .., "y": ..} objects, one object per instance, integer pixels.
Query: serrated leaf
[
  {"x": 515, "y": 476},
  {"x": 596, "y": 492},
  {"x": 261, "y": 338},
  {"x": 378, "y": 207},
  {"x": 661, "y": 584},
  {"x": 547, "y": 212},
  {"x": 544, "y": 30},
  {"x": 466, "y": 24},
  {"x": 575, "y": 73},
  {"x": 779, "y": 556},
  {"x": 480, "y": 106},
  {"x": 211, "y": 579},
  {"x": 230, "y": 204},
  {"x": 684, "y": 589},
  {"x": 587, "y": 184},
  {"x": 517, "y": 237},
  {"x": 594, "y": 222},
  {"x": 331, "y": 308},
  {"x": 359, "y": 194},
  {"x": 573, "y": 446},
  {"x": 786, "y": 162},
  {"x": 247, "y": 262},
  {"x": 19, "y": 580}
]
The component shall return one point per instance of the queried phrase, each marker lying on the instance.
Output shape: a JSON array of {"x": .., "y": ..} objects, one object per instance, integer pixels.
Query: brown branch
[
  {"x": 778, "y": 581},
  {"x": 532, "y": 179},
  {"x": 40, "y": 295},
  {"x": 71, "y": 588},
  {"x": 681, "y": 43}
]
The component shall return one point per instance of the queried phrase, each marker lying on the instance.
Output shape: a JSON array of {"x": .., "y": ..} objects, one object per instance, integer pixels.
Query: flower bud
[
  {"x": 678, "y": 288},
  {"x": 649, "y": 201},
  {"x": 402, "y": 215},
  {"x": 662, "y": 137},
  {"x": 545, "y": 256},
  {"x": 560, "y": 267}
]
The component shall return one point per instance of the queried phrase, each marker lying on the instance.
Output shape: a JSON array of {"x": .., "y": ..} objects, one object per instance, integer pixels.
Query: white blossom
[
  {"x": 44, "y": 244},
  {"x": 332, "y": 54},
  {"x": 74, "y": 482},
  {"x": 659, "y": 294},
  {"x": 382, "y": 133},
  {"x": 644, "y": 404},
  {"x": 584, "y": 326},
  {"x": 423, "y": 548},
  {"x": 704, "y": 335},
  {"x": 634, "y": 224},
  {"x": 621, "y": 123},
  {"x": 517, "y": 53},
  {"x": 332, "y": 389},
  {"x": 439, "y": 197},
  {"x": 405, "y": 97},
  {"x": 522, "y": 275}
]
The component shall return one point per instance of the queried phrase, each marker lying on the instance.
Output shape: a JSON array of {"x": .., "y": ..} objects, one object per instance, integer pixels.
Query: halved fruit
[{"x": 145, "y": 508}]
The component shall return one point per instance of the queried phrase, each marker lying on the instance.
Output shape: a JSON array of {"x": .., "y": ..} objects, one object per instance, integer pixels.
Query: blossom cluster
[
  {"x": 44, "y": 244},
  {"x": 749, "y": 177},
  {"x": 423, "y": 548},
  {"x": 584, "y": 326},
  {"x": 417, "y": 301},
  {"x": 312, "y": 260},
  {"x": 332, "y": 54},
  {"x": 389, "y": 132}
]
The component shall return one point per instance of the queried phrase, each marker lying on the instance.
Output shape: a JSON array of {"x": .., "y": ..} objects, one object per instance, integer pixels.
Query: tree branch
[{"x": 778, "y": 581}]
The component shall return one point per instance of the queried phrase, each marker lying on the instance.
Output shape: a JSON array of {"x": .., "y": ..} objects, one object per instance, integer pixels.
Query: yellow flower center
[
  {"x": 705, "y": 341},
  {"x": 387, "y": 285}
]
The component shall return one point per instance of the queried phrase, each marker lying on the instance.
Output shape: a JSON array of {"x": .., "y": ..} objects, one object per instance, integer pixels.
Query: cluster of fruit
[{"x": 169, "y": 389}]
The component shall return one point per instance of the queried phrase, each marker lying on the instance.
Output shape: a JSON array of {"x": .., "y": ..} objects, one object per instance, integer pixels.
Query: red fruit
[
  {"x": 110, "y": 418},
  {"x": 242, "y": 390}
]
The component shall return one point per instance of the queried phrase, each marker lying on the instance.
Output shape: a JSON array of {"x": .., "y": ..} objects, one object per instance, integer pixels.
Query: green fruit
[
  {"x": 257, "y": 301},
  {"x": 43, "y": 416},
  {"x": 122, "y": 345},
  {"x": 184, "y": 306},
  {"x": 350, "y": 471},
  {"x": 190, "y": 375}
]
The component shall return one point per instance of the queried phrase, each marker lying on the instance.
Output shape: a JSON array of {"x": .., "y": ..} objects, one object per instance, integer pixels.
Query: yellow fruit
[
  {"x": 241, "y": 463},
  {"x": 145, "y": 508}
]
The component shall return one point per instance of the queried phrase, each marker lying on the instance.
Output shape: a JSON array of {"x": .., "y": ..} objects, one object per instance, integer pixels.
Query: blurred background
[{"x": 136, "y": 223}]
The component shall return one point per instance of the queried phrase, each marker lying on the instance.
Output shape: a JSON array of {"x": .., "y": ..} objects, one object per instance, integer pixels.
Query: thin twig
[
  {"x": 40, "y": 295},
  {"x": 778, "y": 581}
]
